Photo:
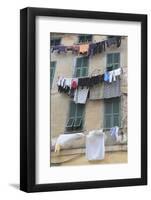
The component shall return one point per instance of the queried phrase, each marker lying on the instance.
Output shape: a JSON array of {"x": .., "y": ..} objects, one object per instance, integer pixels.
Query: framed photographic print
[{"x": 83, "y": 99}]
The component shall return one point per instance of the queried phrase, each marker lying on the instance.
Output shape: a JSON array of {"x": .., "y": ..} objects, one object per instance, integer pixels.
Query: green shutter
[
  {"x": 78, "y": 72},
  {"x": 52, "y": 72},
  {"x": 81, "y": 67},
  {"x": 116, "y": 120},
  {"x": 113, "y": 61},
  {"x": 116, "y": 106},
  {"x": 70, "y": 123},
  {"x": 85, "y": 38},
  {"x": 78, "y": 122},
  {"x": 108, "y": 121},
  {"x": 75, "y": 116},
  {"x": 79, "y": 110},
  {"x": 72, "y": 109},
  {"x": 55, "y": 42},
  {"x": 84, "y": 71},
  {"x": 112, "y": 113}
]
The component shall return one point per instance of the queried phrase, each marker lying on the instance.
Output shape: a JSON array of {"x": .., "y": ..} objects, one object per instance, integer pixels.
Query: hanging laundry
[
  {"x": 68, "y": 82},
  {"x": 64, "y": 84},
  {"x": 59, "y": 49},
  {"x": 60, "y": 84},
  {"x": 111, "y": 90},
  {"x": 83, "y": 48},
  {"x": 113, "y": 74},
  {"x": 117, "y": 72},
  {"x": 100, "y": 47},
  {"x": 94, "y": 80},
  {"x": 66, "y": 140},
  {"x": 92, "y": 47},
  {"x": 69, "y": 48},
  {"x": 106, "y": 76},
  {"x": 75, "y": 49},
  {"x": 74, "y": 83},
  {"x": 84, "y": 81},
  {"x": 118, "y": 38},
  {"x": 114, "y": 131},
  {"x": 114, "y": 41},
  {"x": 59, "y": 80},
  {"x": 111, "y": 41},
  {"x": 95, "y": 48},
  {"x": 95, "y": 145},
  {"x": 67, "y": 85},
  {"x": 80, "y": 95}
]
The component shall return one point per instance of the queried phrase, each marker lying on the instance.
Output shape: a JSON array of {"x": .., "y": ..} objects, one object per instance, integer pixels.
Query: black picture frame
[{"x": 28, "y": 99}]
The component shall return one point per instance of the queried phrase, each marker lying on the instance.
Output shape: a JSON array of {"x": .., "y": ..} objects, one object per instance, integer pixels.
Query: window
[
  {"x": 113, "y": 61},
  {"x": 52, "y": 72},
  {"x": 81, "y": 68},
  {"x": 111, "y": 36},
  {"x": 75, "y": 121},
  {"x": 112, "y": 113},
  {"x": 85, "y": 38},
  {"x": 55, "y": 41}
]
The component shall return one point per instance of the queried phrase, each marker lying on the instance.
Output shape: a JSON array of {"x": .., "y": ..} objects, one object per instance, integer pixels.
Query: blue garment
[
  {"x": 114, "y": 132},
  {"x": 106, "y": 76}
]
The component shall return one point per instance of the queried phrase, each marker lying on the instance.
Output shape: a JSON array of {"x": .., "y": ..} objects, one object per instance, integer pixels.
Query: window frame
[
  {"x": 75, "y": 117},
  {"x": 112, "y": 114},
  {"x": 53, "y": 40},
  {"x": 52, "y": 75},
  {"x": 85, "y": 40},
  {"x": 81, "y": 67},
  {"x": 113, "y": 63}
]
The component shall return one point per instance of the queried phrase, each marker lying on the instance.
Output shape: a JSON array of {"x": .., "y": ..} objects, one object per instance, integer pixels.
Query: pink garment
[{"x": 74, "y": 83}]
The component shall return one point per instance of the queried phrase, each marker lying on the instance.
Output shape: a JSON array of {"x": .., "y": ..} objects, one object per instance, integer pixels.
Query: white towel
[{"x": 95, "y": 147}]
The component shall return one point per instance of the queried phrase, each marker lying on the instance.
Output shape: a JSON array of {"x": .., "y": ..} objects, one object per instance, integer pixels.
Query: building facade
[{"x": 99, "y": 113}]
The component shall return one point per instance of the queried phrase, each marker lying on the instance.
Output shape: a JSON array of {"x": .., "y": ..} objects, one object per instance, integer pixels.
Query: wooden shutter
[
  {"x": 85, "y": 38},
  {"x": 75, "y": 116},
  {"x": 108, "y": 114},
  {"x": 52, "y": 72},
  {"x": 81, "y": 67},
  {"x": 112, "y": 113},
  {"x": 116, "y": 112},
  {"x": 71, "y": 115},
  {"x": 113, "y": 61}
]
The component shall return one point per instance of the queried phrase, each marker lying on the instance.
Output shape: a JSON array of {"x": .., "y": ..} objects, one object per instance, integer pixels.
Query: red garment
[{"x": 74, "y": 84}]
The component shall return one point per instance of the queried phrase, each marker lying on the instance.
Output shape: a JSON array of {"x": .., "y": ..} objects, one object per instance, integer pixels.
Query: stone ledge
[{"x": 112, "y": 148}]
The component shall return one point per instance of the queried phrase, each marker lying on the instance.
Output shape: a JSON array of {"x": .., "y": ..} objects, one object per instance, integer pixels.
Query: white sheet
[{"x": 95, "y": 148}]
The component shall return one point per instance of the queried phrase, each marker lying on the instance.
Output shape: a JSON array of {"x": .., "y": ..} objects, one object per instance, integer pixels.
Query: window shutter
[
  {"x": 52, "y": 72},
  {"x": 75, "y": 116},
  {"x": 81, "y": 67},
  {"x": 112, "y": 113},
  {"x": 108, "y": 121},
  {"x": 70, "y": 122},
  {"x": 113, "y": 61},
  {"x": 78, "y": 72},
  {"x": 84, "y": 71},
  {"x": 72, "y": 110},
  {"x": 116, "y": 106},
  {"x": 85, "y": 38}
]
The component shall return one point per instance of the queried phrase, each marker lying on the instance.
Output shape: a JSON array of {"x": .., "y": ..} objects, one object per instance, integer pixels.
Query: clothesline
[
  {"x": 104, "y": 76},
  {"x": 88, "y": 48},
  {"x": 78, "y": 88}
]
